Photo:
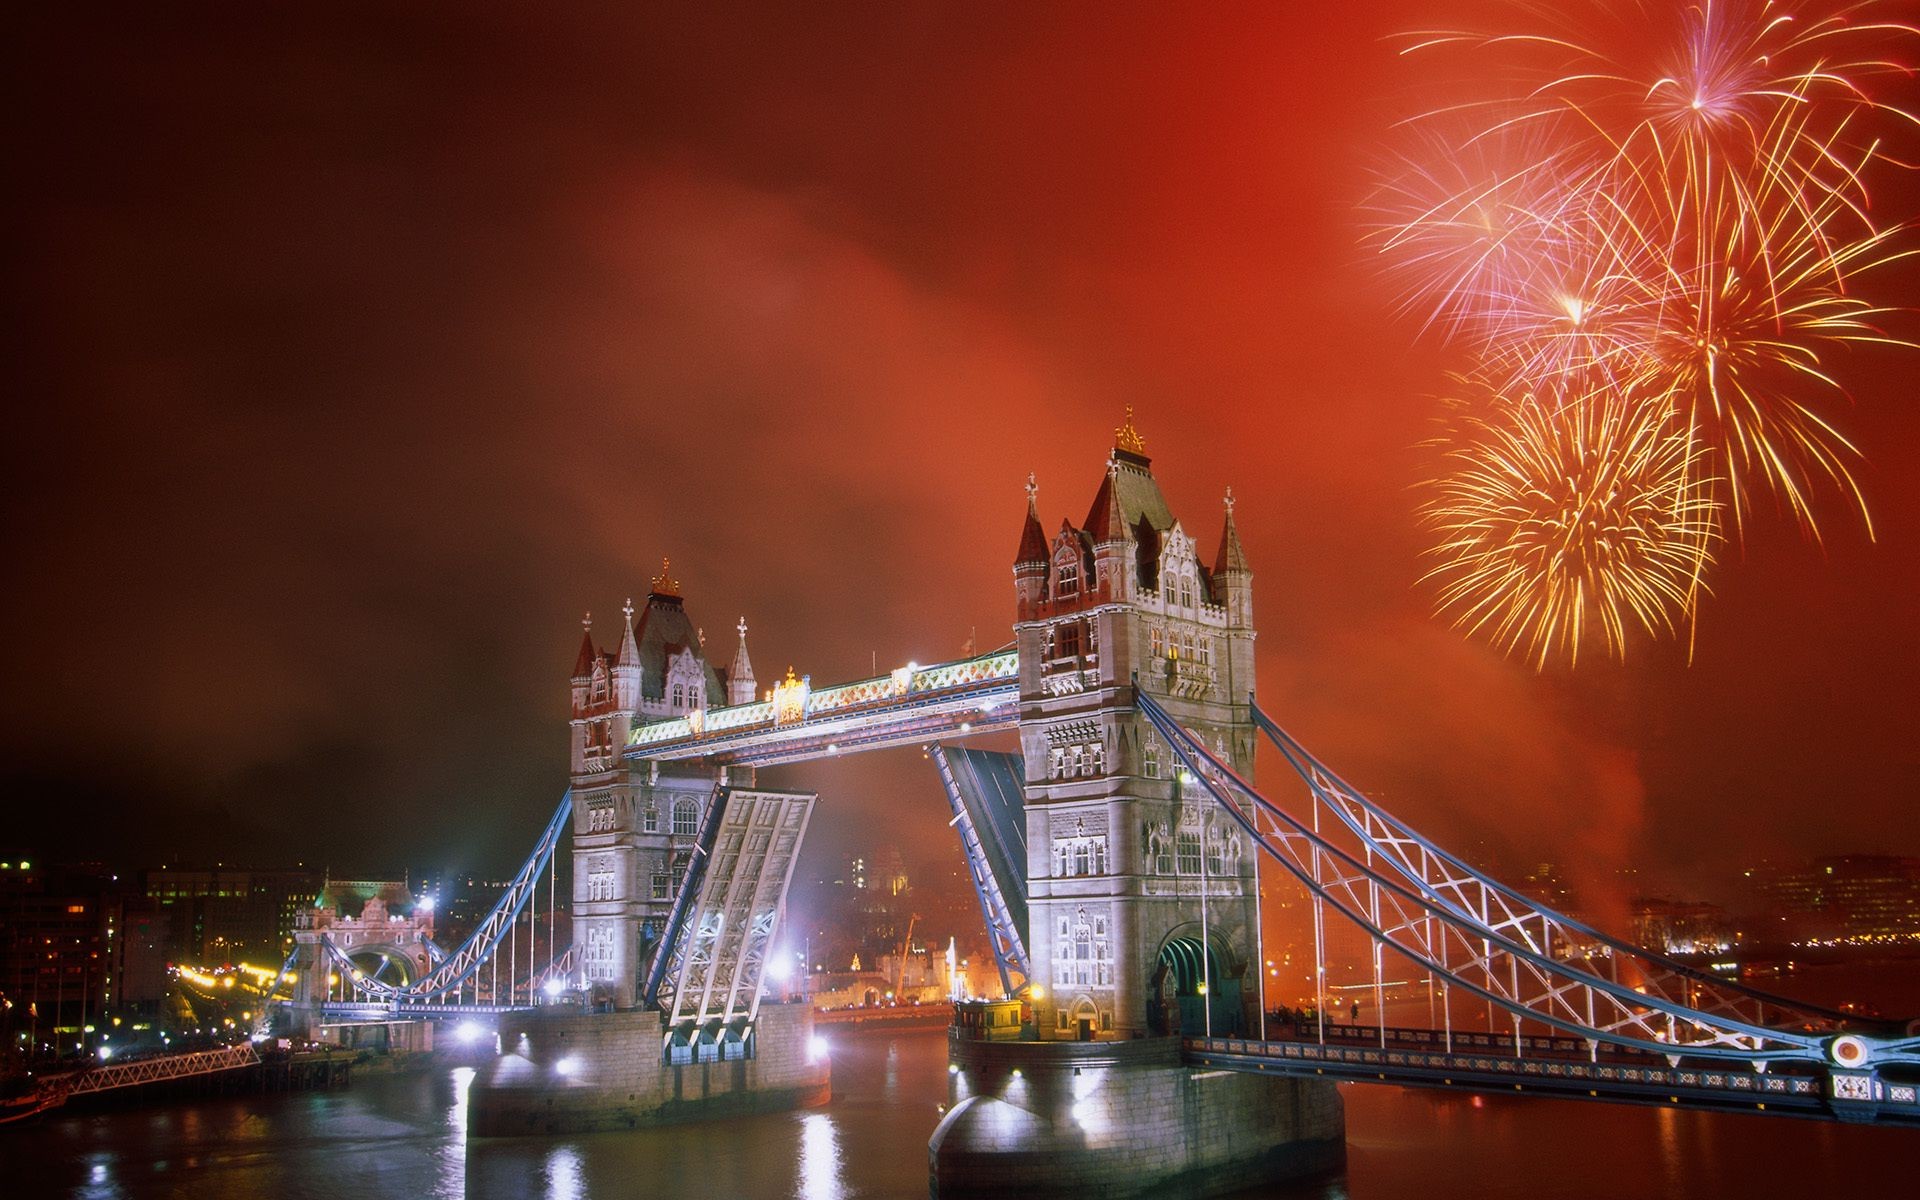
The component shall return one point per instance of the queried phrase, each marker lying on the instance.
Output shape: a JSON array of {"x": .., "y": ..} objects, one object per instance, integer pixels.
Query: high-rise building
[
  {"x": 1858, "y": 898},
  {"x": 223, "y": 915}
]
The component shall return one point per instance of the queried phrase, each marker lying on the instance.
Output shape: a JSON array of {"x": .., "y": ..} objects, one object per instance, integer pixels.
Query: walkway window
[{"x": 1188, "y": 845}]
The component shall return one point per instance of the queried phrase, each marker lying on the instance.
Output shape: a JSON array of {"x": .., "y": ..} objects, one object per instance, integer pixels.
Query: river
[{"x": 404, "y": 1136}]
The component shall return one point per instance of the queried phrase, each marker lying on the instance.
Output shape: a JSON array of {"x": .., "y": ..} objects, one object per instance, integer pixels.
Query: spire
[
  {"x": 583, "y": 665},
  {"x": 629, "y": 649},
  {"x": 1107, "y": 519},
  {"x": 740, "y": 681},
  {"x": 1128, "y": 439},
  {"x": 664, "y": 584},
  {"x": 1231, "y": 557},
  {"x": 1033, "y": 538}
]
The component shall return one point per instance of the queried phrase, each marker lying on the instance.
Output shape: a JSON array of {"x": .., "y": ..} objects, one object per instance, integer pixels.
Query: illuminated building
[
  {"x": 1129, "y": 862},
  {"x": 634, "y": 833}
]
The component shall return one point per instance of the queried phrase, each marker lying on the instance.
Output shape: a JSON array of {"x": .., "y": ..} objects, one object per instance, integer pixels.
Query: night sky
[{"x": 354, "y": 359}]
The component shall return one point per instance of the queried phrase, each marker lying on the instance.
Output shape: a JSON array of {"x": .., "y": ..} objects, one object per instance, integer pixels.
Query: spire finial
[
  {"x": 628, "y": 609},
  {"x": 664, "y": 583},
  {"x": 586, "y": 623},
  {"x": 1229, "y": 500},
  {"x": 1033, "y": 490},
  {"x": 742, "y": 627},
  {"x": 1128, "y": 438}
]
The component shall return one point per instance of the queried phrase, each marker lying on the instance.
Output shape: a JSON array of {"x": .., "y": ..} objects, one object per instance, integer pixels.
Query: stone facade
[
  {"x": 1126, "y": 858},
  {"x": 1121, "y": 1119},
  {"x": 569, "y": 1072},
  {"x": 634, "y": 828}
]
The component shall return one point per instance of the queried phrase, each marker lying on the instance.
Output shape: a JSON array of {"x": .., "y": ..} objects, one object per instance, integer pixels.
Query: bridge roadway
[{"x": 1557, "y": 1066}]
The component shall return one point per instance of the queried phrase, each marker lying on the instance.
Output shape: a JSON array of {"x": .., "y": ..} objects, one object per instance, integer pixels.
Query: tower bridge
[{"x": 1116, "y": 859}]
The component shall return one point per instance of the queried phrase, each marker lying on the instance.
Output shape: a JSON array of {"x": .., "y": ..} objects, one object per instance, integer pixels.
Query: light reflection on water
[
  {"x": 820, "y": 1159},
  {"x": 404, "y": 1136}
]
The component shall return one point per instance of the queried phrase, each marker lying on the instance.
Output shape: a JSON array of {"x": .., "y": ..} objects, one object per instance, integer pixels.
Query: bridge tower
[
  {"x": 634, "y": 827},
  {"x": 1143, "y": 895}
]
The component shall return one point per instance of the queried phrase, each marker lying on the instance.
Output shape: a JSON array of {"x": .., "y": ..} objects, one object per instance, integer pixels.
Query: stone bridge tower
[
  {"x": 1143, "y": 893},
  {"x": 634, "y": 828}
]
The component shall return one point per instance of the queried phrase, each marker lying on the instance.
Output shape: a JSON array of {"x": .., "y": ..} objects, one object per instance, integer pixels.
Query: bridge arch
[
  {"x": 387, "y": 963},
  {"x": 1193, "y": 977}
]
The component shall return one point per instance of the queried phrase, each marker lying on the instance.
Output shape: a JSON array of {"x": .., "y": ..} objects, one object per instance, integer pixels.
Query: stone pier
[
  {"x": 1122, "y": 1118},
  {"x": 574, "y": 1072}
]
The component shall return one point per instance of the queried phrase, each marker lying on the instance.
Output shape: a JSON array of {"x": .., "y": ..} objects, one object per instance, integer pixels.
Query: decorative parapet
[{"x": 794, "y": 701}]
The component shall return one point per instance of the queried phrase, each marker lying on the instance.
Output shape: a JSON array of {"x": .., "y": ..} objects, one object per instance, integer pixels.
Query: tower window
[
  {"x": 686, "y": 818},
  {"x": 1067, "y": 577}
]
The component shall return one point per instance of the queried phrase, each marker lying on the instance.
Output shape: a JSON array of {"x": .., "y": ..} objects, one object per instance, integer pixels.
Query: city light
[
  {"x": 553, "y": 987},
  {"x": 816, "y": 1048},
  {"x": 467, "y": 1032},
  {"x": 568, "y": 1066}
]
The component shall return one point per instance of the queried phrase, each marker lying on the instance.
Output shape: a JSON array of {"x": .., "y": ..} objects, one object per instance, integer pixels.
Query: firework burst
[
  {"x": 1568, "y": 521},
  {"x": 1661, "y": 208}
]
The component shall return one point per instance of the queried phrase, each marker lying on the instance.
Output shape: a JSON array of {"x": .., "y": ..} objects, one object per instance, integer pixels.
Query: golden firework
[
  {"x": 1571, "y": 518},
  {"x": 1664, "y": 211}
]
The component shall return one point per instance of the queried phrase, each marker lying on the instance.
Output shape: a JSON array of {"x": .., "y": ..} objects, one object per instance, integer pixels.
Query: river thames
[{"x": 404, "y": 1136}]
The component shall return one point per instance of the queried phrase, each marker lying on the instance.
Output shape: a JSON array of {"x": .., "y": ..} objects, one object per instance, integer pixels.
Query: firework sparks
[
  {"x": 1568, "y": 520},
  {"x": 1668, "y": 207}
]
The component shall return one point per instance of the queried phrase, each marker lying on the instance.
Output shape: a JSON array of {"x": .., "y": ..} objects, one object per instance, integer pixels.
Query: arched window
[
  {"x": 1067, "y": 577},
  {"x": 686, "y": 818}
]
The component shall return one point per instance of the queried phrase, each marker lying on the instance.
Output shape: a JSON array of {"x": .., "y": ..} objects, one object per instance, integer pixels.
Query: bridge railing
[
  {"x": 1447, "y": 879},
  {"x": 1483, "y": 954},
  {"x": 153, "y": 1070}
]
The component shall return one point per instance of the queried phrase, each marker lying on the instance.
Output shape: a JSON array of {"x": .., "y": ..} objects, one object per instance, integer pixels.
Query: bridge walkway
[{"x": 1558, "y": 1066}]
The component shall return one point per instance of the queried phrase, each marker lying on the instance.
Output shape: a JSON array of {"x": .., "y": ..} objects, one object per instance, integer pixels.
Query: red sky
[{"x": 356, "y": 358}]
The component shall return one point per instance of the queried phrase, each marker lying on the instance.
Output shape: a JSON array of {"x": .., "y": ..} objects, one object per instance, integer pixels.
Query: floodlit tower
[
  {"x": 1143, "y": 912},
  {"x": 634, "y": 828}
]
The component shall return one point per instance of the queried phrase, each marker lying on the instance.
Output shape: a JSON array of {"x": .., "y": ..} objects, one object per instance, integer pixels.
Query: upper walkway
[{"x": 910, "y": 706}]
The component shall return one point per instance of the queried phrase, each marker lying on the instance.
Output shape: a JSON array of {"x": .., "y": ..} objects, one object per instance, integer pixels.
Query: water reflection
[
  {"x": 451, "y": 1183},
  {"x": 406, "y": 1135},
  {"x": 563, "y": 1174},
  {"x": 820, "y": 1177}
]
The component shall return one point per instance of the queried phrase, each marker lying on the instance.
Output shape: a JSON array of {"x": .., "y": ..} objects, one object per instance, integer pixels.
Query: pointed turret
[
  {"x": 1033, "y": 536},
  {"x": 583, "y": 665},
  {"x": 1231, "y": 557},
  {"x": 626, "y": 667},
  {"x": 740, "y": 681},
  {"x": 1030, "y": 565},
  {"x": 629, "y": 649},
  {"x": 1233, "y": 577}
]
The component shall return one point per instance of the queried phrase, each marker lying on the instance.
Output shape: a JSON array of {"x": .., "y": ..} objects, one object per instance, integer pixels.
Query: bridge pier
[
  {"x": 1122, "y": 1118},
  {"x": 561, "y": 1071}
]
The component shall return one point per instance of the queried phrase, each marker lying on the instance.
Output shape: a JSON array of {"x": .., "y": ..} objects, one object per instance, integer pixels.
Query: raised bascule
[{"x": 1116, "y": 859}]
